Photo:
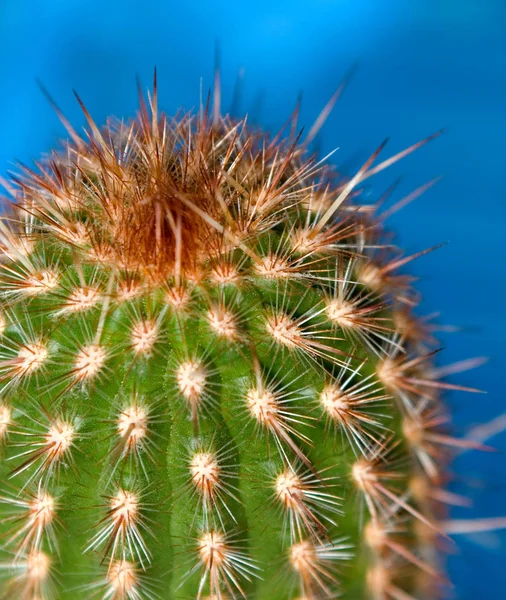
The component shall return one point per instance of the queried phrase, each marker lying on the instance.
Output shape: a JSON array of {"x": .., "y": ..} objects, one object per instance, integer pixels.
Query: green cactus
[{"x": 212, "y": 381}]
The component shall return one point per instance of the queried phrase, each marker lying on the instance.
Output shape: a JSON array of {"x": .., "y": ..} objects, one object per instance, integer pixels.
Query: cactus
[{"x": 213, "y": 383}]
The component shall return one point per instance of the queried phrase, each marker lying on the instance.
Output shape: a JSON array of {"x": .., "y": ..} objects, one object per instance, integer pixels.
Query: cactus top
[{"x": 213, "y": 384}]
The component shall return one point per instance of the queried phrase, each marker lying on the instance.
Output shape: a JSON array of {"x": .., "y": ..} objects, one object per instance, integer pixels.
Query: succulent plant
[{"x": 213, "y": 383}]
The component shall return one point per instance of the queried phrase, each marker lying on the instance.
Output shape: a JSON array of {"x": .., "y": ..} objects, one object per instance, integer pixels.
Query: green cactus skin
[{"x": 212, "y": 381}]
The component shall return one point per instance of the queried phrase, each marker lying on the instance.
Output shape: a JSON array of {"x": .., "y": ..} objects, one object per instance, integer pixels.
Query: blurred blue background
[{"x": 423, "y": 65}]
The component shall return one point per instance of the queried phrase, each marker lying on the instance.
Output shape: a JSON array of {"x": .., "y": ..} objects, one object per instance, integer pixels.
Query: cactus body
[{"x": 212, "y": 382}]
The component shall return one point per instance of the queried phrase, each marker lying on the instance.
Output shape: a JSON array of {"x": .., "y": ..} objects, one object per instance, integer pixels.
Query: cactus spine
[{"x": 213, "y": 384}]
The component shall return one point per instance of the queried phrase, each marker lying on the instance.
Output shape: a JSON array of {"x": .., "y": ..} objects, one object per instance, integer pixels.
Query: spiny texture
[{"x": 213, "y": 385}]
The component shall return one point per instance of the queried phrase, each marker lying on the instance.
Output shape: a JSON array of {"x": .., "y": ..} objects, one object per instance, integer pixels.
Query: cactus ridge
[{"x": 213, "y": 383}]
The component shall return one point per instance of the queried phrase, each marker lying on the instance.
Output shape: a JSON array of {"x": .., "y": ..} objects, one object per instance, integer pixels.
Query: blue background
[{"x": 423, "y": 65}]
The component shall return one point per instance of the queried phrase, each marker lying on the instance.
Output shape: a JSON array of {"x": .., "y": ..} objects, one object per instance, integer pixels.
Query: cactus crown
[{"x": 212, "y": 381}]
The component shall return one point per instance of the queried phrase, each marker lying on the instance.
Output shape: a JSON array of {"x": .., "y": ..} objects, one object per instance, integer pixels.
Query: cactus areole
[{"x": 213, "y": 384}]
